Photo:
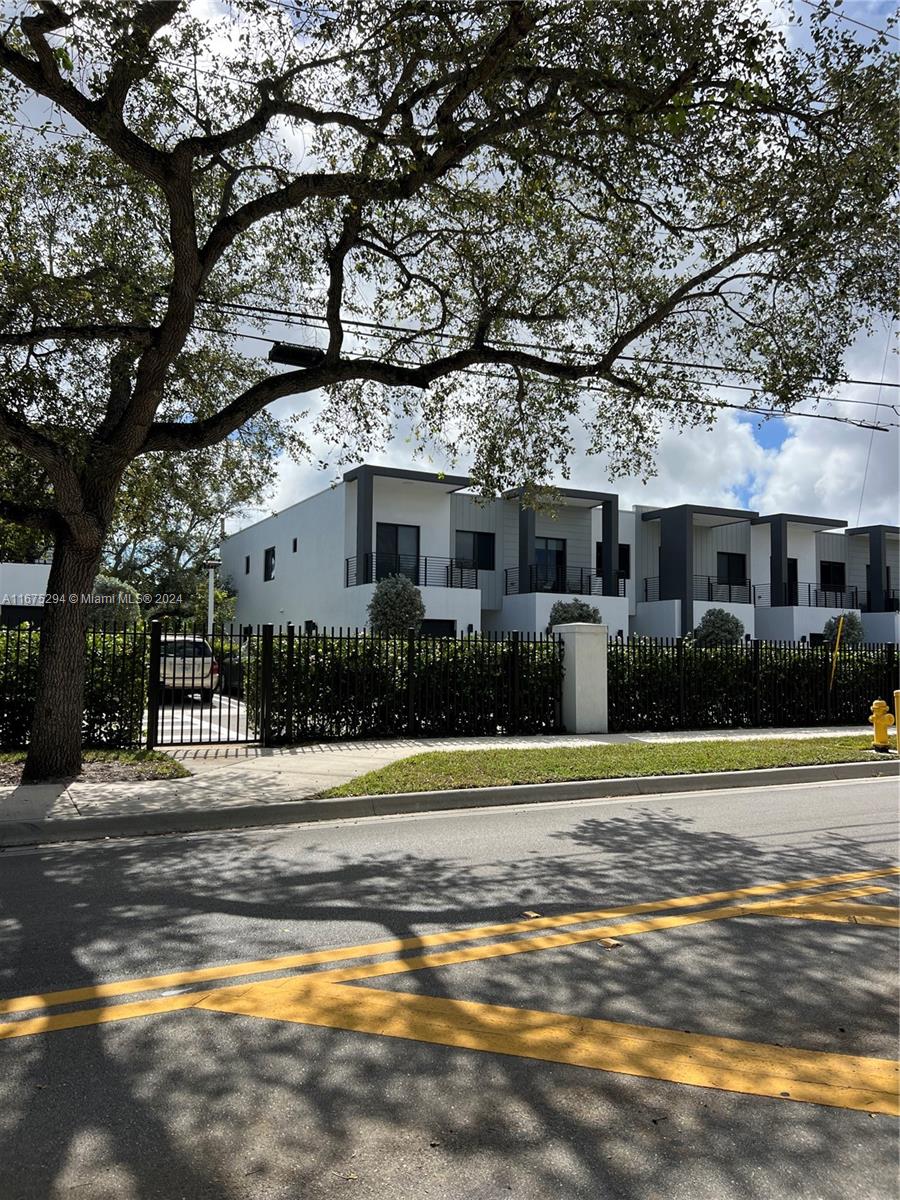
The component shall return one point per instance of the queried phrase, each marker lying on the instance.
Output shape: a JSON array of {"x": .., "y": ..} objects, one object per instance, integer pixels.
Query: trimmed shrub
[
  {"x": 853, "y": 633},
  {"x": 396, "y": 606},
  {"x": 115, "y": 691},
  {"x": 566, "y": 612},
  {"x": 717, "y": 628},
  {"x": 660, "y": 684},
  {"x": 365, "y": 686}
]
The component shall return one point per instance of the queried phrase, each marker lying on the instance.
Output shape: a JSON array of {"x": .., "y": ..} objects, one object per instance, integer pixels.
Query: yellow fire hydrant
[{"x": 881, "y": 720}]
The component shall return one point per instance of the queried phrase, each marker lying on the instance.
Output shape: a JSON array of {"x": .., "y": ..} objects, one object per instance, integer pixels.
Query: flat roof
[
  {"x": 894, "y": 529},
  {"x": 576, "y": 496},
  {"x": 452, "y": 483},
  {"x": 707, "y": 514},
  {"x": 797, "y": 519}
]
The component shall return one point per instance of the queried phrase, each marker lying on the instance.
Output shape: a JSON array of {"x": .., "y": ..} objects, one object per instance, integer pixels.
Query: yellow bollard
[
  {"x": 881, "y": 720},
  {"x": 897, "y": 717}
]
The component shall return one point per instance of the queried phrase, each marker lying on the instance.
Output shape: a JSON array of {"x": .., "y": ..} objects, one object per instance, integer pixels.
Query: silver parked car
[{"x": 187, "y": 664}]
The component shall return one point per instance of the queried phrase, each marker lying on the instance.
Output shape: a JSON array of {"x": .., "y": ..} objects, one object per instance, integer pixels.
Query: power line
[
  {"x": 832, "y": 12},
  {"x": 488, "y": 374},
  {"x": 384, "y": 331}
]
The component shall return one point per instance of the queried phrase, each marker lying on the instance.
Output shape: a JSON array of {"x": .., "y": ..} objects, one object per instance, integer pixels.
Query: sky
[
  {"x": 796, "y": 464},
  {"x": 801, "y": 465}
]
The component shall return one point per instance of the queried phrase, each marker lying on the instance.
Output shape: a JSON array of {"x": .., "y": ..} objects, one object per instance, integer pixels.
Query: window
[
  {"x": 246, "y": 564},
  {"x": 624, "y": 560},
  {"x": 832, "y": 576},
  {"x": 550, "y": 561},
  {"x": 396, "y": 550},
  {"x": 294, "y": 546},
  {"x": 731, "y": 568},
  {"x": 475, "y": 549},
  {"x": 269, "y": 564}
]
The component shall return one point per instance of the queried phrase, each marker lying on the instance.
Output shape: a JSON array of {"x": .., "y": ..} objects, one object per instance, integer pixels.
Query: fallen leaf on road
[{"x": 609, "y": 943}]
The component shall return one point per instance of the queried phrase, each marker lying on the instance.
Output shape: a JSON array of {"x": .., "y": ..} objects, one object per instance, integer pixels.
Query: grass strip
[
  {"x": 441, "y": 770},
  {"x": 162, "y": 765}
]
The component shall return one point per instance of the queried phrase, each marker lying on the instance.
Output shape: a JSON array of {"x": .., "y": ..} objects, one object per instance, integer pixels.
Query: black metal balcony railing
[
  {"x": 805, "y": 595},
  {"x": 891, "y": 601},
  {"x": 569, "y": 581},
  {"x": 425, "y": 571},
  {"x": 708, "y": 587}
]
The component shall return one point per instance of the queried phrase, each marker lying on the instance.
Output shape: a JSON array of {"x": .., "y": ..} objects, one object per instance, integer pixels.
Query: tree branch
[
  {"x": 140, "y": 334},
  {"x": 31, "y": 517}
]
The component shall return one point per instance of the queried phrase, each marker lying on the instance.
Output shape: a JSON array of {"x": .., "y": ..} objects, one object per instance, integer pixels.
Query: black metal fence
[
  {"x": 352, "y": 684},
  {"x": 672, "y": 683}
]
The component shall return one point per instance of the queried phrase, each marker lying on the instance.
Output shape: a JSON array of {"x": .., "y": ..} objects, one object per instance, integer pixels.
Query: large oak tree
[{"x": 542, "y": 206}]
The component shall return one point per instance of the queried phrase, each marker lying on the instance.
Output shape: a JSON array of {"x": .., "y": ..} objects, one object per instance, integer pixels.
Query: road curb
[{"x": 303, "y": 812}]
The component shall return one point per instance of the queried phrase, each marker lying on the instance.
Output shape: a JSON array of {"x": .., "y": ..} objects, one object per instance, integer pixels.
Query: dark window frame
[
  {"x": 268, "y": 564},
  {"x": 835, "y": 568},
  {"x": 246, "y": 564},
  {"x": 294, "y": 546},
  {"x": 732, "y": 559},
  {"x": 484, "y": 546},
  {"x": 624, "y": 568}
]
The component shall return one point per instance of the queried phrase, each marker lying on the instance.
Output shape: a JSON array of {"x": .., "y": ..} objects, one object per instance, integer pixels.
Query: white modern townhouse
[{"x": 499, "y": 566}]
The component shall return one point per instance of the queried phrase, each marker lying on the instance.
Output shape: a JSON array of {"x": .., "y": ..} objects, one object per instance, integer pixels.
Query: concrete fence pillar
[{"x": 585, "y": 706}]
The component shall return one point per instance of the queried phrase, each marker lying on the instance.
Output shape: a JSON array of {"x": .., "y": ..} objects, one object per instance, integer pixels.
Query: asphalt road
[{"x": 202, "y": 1102}]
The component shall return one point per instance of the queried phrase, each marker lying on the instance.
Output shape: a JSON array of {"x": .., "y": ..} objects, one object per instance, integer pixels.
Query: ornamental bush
[
  {"x": 566, "y": 612},
  {"x": 115, "y": 602},
  {"x": 396, "y": 606},
  {"x": 115, "y": 687},
  {"x": 853, "y": 633},
  {"x": 717, "y": 628},
  {"x": 358, "y": 686}
]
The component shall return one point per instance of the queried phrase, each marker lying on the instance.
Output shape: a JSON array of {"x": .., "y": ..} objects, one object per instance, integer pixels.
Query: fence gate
[{"x": 199, "y": 683}]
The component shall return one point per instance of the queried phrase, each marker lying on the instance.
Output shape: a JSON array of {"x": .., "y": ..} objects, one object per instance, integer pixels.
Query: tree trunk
[{"x": 54, "y": 751}]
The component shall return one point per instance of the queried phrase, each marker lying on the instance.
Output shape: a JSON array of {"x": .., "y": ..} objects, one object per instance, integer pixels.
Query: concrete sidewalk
[{"x": 241, "y": 779}]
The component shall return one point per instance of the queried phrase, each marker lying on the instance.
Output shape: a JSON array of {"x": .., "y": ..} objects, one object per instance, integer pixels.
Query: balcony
[
  {"x": 801, "y": 595},
  {"x": 711, "y": 589},
  {"x": 568, "y": 581},
  {"x": 805, "y": 595},
  {"x": 427, "y": 571}
]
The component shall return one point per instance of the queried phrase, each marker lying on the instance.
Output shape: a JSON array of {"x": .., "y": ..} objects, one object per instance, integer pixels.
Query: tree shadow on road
[{"x": 201, "y": 1104}]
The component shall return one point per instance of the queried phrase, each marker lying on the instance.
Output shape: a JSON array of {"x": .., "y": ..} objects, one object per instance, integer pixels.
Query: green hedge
[
  {"x": 115, "y": 686},
  {"x": 663, "y": 684},
  {"x": 353, "y": 687}
]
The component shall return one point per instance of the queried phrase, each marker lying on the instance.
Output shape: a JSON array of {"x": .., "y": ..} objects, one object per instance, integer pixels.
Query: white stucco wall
[
  {"x": 790, "y": 624},
  {"x": 657, "y": 618},
  {"x": 881, "y": 627},
  {"x": 23, "y": 583},
  {"x": 745, "y": 613},
  {"x": 530, "y": 613},
  {"x": 308, "y": 584},
  {"x": 410, "y": 502}
]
